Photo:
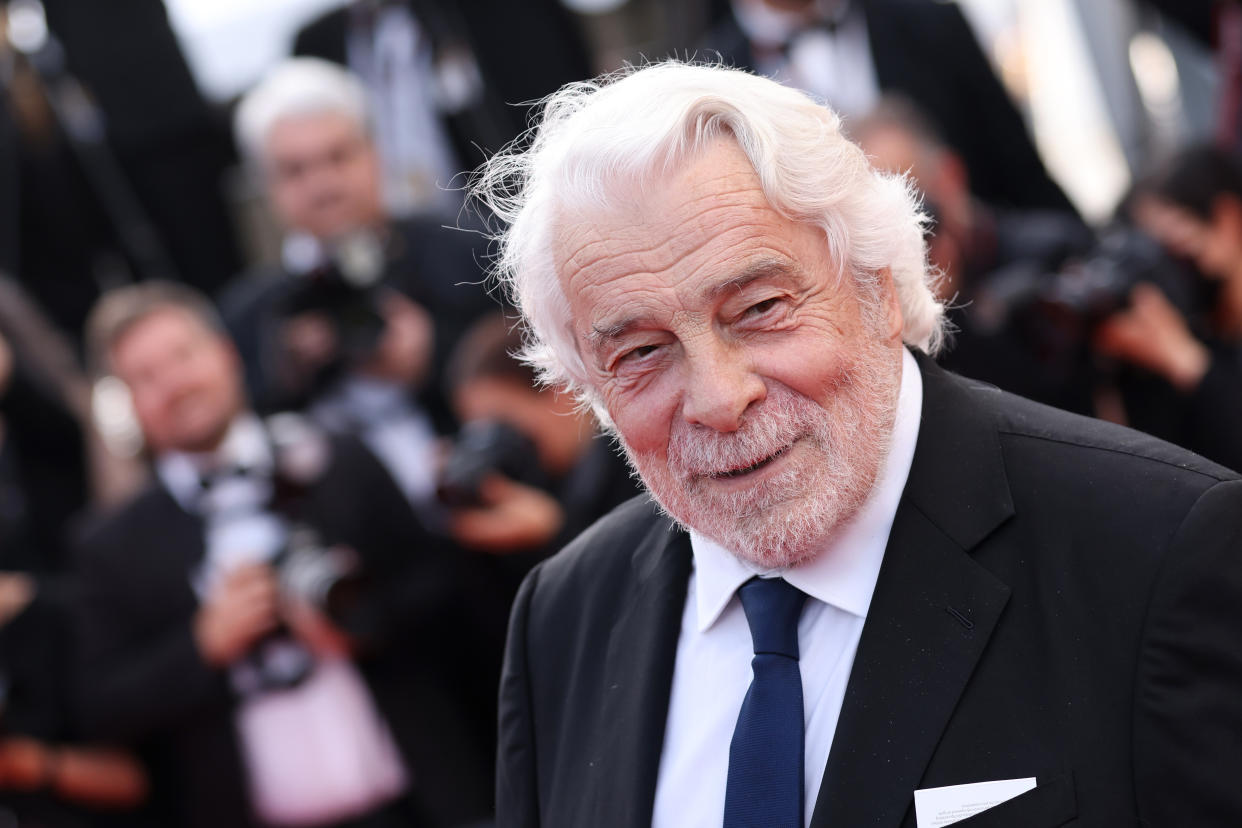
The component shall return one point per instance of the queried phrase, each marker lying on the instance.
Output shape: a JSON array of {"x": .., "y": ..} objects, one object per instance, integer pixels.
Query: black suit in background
[
  {"x": 1059, "y": 598},
  {"x": 172, "y": 149},
  {"x": 524, "y": 51},
  {"x": 926, "y": 51},
  {"x": 142, "y": 681}
]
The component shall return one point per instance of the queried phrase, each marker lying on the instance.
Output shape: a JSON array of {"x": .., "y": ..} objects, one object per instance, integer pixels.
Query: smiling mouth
[{"x": 742, "y": 472}]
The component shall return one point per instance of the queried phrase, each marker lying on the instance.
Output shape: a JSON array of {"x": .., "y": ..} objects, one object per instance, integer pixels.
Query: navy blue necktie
[{"x": 764, "y": 787}]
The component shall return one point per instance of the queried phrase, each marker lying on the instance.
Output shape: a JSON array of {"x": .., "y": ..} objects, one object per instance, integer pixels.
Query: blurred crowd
[{"x": 269, "y": 474}]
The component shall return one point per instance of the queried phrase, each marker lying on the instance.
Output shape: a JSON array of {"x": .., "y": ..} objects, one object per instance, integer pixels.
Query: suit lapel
[
  {"x": 931, "y": 616},
  {"x": 641, "y": 652}
]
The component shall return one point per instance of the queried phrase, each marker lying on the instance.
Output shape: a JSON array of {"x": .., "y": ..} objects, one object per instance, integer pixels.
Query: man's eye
[
  {"x": 634, "y": 357},
  {"x": 638, "y": 353},
  {"x": 289, "y": 170},
  {"x": 760, "y": 308}
]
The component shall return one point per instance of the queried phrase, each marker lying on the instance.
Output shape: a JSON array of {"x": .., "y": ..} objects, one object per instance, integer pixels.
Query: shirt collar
[
  {"x": 300, "y": 252},
  {"x": 844, "y": 573},
  {"x": 245, "y": 446}
]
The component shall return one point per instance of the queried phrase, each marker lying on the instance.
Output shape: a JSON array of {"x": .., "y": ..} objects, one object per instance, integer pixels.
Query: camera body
[
  {"x": 1056, "y": 312},
  {"x": 486, "y": 447},
  {"x": 345, "y": 288},
  {"x": 328, "y": 577}
]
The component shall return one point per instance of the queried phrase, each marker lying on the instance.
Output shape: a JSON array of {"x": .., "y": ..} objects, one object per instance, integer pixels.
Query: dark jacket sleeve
[
  {"x": 135, "y": 676},
  {"x": 413, "y": 576},
  {"x": 927, "y": 51},
  {"x": 1214, "y": 425},
  {"x": 1188, "y": 691},
  {"x": 517, "y": 798},
  {"x": 1005, "y": 165}
]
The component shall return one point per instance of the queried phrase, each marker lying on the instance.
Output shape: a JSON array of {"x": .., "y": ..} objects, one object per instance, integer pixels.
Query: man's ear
[{"x": 893, "y": 318}]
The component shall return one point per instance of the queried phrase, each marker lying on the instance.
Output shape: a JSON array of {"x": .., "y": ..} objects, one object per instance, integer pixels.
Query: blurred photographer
[
  {"x": 530, "y": 470},
  {"x": 356, "y": 323},
  {"x": 983, "y": 253},
  {"x": 1185, "y": 382},
  {"x": 267, "y": 621}
]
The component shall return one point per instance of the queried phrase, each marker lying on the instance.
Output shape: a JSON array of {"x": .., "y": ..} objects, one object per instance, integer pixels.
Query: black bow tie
[{"x": 210, "y": 479}]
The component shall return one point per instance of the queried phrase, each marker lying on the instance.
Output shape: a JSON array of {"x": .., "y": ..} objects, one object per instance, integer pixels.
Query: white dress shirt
[
  {"x": 396, "y": 430},
  {"x": 410, "y": 89},
  {"x": 714, "y": 650}
]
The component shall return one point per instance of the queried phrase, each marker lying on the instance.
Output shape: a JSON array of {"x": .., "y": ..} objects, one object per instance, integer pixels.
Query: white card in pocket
[{"x": 937, "y": 807}]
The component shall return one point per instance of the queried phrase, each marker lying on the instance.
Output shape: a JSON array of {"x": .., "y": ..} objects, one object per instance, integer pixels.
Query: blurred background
[
  {"x": 269, "y": 473},
  {"x": 1104, "y": 86}
]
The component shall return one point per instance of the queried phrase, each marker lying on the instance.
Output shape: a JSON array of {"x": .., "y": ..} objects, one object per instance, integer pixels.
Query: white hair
[
  {"x": 296, "y": 88},
  {"x": 595, "y": 138}
]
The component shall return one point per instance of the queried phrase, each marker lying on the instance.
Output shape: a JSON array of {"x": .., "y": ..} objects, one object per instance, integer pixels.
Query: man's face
[
  {"x": 322, "y": 175},
  {"x": 184, "y": 379},
  {"x": 752, "y": 389}
]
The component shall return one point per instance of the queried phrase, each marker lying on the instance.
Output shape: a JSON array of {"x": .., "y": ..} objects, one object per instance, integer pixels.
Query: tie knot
[
  {"x": 773, "y": 606},
  {"x": 226, "y": 472}
]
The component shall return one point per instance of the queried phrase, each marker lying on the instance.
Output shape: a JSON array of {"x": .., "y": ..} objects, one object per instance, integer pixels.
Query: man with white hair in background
[
  {"x": 862, "y": 578},
  {"x": 304, "y": 129}
]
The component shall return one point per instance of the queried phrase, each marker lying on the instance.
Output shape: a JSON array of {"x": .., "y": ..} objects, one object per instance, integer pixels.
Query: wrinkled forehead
[
  {"x": 649, "y": 223},
  {"x": 154, "y": 333},
  {"x": 310, "y": 132}
]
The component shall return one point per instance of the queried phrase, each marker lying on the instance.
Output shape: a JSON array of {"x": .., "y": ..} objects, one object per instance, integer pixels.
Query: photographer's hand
[
  {"x": 513, "y": 518},
  {"x": 404, "y": 353},
  {"x": 316, "y": 630},
  {"x": 308, "y": 343},
  {"x": 1152, "y": 334},
  {"x": 241, "y": 609},
  {"x": 17, "y": 590}
]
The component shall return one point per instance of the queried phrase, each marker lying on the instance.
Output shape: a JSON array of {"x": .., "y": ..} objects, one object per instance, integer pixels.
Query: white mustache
[{"x": 772, "y": 427}]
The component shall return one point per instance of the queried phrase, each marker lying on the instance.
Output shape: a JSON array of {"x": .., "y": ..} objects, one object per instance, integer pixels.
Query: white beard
[{"x": 787, "y": 517}]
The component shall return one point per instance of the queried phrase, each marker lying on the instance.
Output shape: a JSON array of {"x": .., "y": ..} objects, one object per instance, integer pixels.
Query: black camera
[
  {"x": 328, "y": 577},
  {"x": 485, "y": 447},
  {"x": 1056, "y": 312},
  {"x": 346, "y": 289}
]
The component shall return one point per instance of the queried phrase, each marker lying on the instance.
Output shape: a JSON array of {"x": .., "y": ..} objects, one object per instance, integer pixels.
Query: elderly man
[{"x": 862, "y": 577}]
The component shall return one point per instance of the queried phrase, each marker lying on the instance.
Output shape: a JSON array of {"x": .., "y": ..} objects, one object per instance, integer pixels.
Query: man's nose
[{"x": 720, "y": 386}]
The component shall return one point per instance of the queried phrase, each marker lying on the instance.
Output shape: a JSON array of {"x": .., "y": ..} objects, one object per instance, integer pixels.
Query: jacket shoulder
[
  {"x": 606, "y": 549},
  {"x": 115, "y": 525},
  {"x": 1022, "y": 420}
]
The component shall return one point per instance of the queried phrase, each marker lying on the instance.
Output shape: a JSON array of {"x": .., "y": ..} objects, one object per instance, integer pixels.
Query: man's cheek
[{"x": 646, "y": 435}]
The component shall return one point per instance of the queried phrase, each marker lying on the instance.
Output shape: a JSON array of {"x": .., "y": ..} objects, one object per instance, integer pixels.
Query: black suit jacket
[
  {"x": 924, "y": 50},
  {"x": 1059, "y": 598},
  {"x": 142, "y": 681},
  {"x": 524, "y": 51}
]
